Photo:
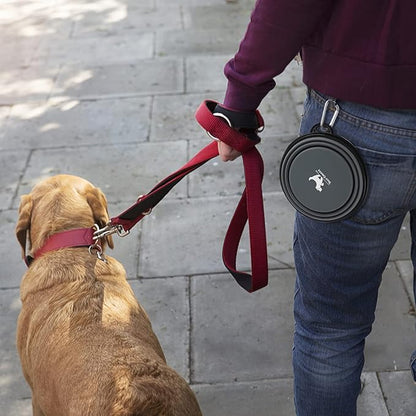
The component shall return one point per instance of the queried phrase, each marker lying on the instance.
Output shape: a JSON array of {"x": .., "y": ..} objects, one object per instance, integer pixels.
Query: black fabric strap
[{"x": 239, "y": 119}]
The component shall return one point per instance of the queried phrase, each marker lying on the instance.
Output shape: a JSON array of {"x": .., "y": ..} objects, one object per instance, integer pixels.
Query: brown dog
[{"x": 86, "y": 346}]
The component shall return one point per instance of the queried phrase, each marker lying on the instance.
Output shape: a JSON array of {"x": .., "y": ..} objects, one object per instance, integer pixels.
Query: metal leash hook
[
  {"x": 96, "y": 247},
  {"x": 109, "y": 229},
  {"x": 98, "y": 251}
]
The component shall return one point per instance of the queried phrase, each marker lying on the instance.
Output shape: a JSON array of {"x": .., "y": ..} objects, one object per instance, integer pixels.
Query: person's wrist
[{"x": 249, "y": 123}]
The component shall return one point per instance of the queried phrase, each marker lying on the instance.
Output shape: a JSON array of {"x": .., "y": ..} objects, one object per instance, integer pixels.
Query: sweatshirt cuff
[{"x": 240, "y": 96}]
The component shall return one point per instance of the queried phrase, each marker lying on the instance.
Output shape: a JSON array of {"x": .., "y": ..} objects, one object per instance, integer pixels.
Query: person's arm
[{"x": 276, "y": 33}]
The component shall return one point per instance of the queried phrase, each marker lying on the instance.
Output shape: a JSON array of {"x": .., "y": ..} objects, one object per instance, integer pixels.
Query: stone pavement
[{"x": 106, "y": 89}]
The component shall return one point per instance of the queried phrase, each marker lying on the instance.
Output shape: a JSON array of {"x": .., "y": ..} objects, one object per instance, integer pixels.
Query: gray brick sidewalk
[{"x": 106, "y": 90}]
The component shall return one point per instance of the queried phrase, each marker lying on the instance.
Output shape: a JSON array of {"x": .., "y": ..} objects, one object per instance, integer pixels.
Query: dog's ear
[
  {"x": 98, "y": 203},
  {"x": 23, "y": 222}
]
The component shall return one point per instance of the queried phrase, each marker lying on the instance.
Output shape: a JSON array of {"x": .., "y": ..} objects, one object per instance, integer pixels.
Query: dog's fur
[{"x": 86, "y": 346}]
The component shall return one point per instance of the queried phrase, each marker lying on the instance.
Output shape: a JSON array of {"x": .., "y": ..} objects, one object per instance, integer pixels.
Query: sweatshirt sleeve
[{"x": 275, "y": 34}]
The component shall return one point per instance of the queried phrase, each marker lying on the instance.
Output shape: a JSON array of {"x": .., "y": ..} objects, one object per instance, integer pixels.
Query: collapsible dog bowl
[{"x": 323, "y": 177}]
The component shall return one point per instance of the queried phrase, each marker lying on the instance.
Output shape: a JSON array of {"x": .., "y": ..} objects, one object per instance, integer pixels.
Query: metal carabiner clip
[
  {"x": 325, "y": 110},
  {"x": 108, "y": 230}
]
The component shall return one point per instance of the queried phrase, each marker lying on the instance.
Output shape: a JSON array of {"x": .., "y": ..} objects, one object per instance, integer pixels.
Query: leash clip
[
  {"x": 98, "y": 251},
  {"x": 96, "y": 246},
  {"x": 109, "y": 229}
]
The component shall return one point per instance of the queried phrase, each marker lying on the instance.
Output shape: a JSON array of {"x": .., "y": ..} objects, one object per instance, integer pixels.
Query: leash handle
[
  {"x": 250, "y": 208},
  {"x": 217, "y": 128}
]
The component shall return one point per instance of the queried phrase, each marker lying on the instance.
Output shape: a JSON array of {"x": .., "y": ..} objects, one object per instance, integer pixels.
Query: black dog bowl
[{"x": 323, "y": 177}]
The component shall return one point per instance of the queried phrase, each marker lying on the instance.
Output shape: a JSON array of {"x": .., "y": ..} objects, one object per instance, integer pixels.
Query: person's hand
[{"x": 226, "y": 152}]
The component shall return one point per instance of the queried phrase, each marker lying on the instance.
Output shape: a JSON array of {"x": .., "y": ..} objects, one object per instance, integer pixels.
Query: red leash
[{"x": 250, "y": 207}]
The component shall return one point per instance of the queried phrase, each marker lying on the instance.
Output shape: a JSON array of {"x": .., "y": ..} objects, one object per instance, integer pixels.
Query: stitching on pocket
[{"x": 365, "y": 124}]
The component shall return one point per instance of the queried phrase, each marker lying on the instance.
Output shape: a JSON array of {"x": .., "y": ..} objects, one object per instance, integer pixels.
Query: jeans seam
[
  {"x": 378, "y": 220},
  {"x": 410, "y": 192},
  {"x": 359, "y": 122}
]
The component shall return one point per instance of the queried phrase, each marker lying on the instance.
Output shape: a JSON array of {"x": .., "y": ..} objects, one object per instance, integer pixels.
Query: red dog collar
[{"x": 80, "y": 237}]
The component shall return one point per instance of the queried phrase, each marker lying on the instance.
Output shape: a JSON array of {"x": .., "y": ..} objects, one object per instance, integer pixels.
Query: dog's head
[{"x": 56, "y": 204}]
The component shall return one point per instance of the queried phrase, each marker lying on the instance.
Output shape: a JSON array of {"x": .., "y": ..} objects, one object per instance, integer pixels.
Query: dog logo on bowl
[{"x": 319, "y": 181}]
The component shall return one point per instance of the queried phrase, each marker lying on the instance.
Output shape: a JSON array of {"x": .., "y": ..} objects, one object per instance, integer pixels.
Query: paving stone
[
  {"x": 4, "y": 116},
  {"x": 218, "y": 16},
  {"x": 37, "y": 29},
  {"x": 13, "y": 385},
  {"x": 26, "y": 84},
  {"x": 389, "y": 346},
  {"x": 266, "y": 398},
  {"x": 291, "y": 77},
  {"x": 122, "y": 171},
  {"x": 144, "y": 77},
  {"x": 371, "y": 401},
  {"x": 173, "y": 117},
  {"x": 77, "y": 123},
  {"x": 206, "y": 74},
  {"x": 280, "y": 114},
  {"x": 130, "y": 19},
  {"x": 162, "y": 3},
  {"x": 13, "y": 267},
  {"x": 17, "y": 53},
  {"x": 238, "y": 336},
  {"x": 401, "y": 249},
  {"x": 400, "y": 392},
  {"x": 215, "y": 178},
  {"x": 185, "y": 237},
  {"x": 19, "y": 407},
  {"x": 198, "y": 42},
  {"x": 298, "y": 95},
  {"x": 181, "y": 237},
  {"x": 12, "y": 164},
  {"x": 405, "y": 268},
  {"x": 166, "y": 302},
  {"x": 12, "y": 13},
  {"x": 96, "y": 51},
  {"x": 109, "y": 11},
  {"x": 279, "y": 216}
]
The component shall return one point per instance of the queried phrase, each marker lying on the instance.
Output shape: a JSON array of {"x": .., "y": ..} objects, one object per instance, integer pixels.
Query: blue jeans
[{"x": 339, "y": 265}]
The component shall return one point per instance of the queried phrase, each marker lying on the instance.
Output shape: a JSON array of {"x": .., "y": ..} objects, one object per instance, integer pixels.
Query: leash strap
[
  {"x": 145, "y": 203},
  {"x": 250, "y": 207}
]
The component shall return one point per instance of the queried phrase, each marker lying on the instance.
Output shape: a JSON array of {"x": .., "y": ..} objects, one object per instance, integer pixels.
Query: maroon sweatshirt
[{"x": 355, "y": 50}]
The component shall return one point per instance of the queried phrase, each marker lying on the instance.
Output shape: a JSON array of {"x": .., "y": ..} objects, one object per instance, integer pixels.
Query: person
[{"x": 363, "y": 55}]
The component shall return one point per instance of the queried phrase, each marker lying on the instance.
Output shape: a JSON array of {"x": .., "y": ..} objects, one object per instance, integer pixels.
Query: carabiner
[{"x": 334, "y": 117}]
